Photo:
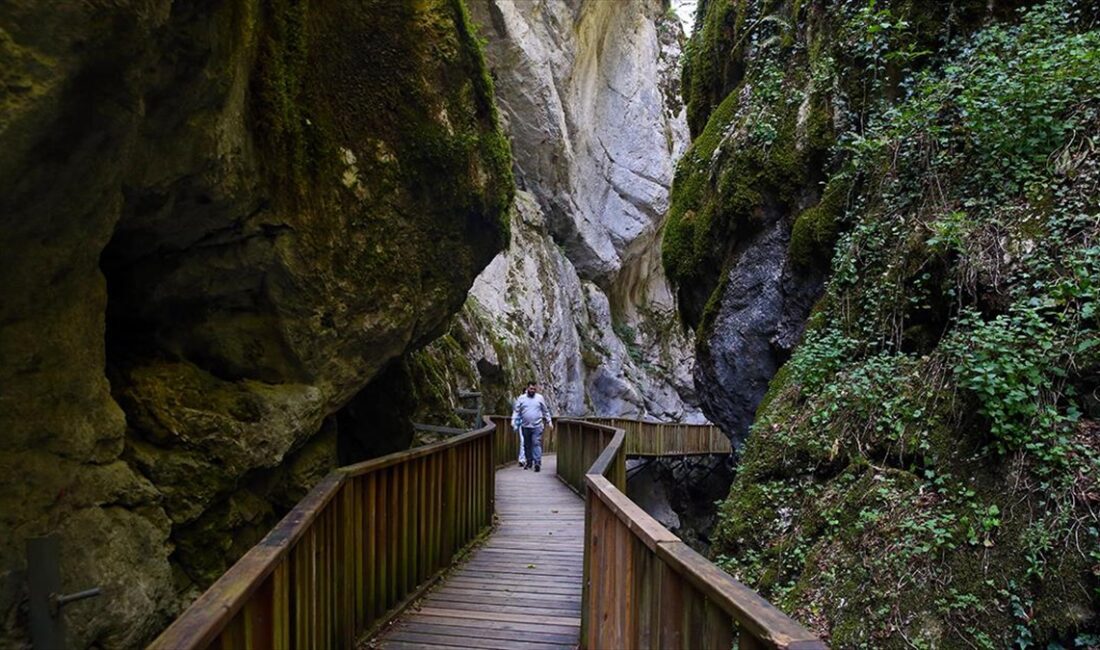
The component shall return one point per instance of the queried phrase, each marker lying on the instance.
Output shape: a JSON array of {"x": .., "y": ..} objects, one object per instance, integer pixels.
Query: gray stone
[
  {"x": 760, "y": 319},
  {"x": 589, "y": 94}
]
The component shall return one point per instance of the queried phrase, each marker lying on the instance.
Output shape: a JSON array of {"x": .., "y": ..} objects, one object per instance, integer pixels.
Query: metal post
[
  {"x": 46, "y": 600},
  {"x": 44, "y": 579}
]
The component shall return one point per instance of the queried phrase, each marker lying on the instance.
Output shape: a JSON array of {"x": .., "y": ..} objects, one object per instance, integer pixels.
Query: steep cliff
[
  {"x": 589, "y": 98},
  {"x": 219, "y": 221},
  {"x": 915, "y": 185}
]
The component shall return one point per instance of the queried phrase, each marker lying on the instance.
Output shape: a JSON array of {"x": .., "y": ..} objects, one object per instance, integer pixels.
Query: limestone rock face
[
  {"x": 588, "y": 92},
  {"x": 219, "y": 222}
]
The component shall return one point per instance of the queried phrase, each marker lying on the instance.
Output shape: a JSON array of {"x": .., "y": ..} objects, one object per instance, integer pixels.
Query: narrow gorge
[
  {"x": 248, "y": 242},
  {"x": 589, "y": 97}
]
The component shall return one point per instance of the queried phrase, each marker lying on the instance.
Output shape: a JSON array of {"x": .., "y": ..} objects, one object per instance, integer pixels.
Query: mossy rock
[{"x": 815, "y": 230}]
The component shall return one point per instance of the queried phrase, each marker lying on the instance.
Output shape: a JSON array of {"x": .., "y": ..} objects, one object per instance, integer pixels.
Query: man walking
[{"x": 529, "y": 415}]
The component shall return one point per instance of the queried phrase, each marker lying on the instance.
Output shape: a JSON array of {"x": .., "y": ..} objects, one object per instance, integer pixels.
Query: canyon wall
[
  {"x": 884, "y": 234},
  {"x": 220, "y": 220},
  {"x": 589, "y": 97}
]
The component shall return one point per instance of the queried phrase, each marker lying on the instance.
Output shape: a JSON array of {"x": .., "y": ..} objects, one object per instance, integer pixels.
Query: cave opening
[{"x": 378, "y": 420}]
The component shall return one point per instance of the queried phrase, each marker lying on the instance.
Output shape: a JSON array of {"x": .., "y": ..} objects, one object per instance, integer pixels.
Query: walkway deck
[{"x": 521, "y": 588}]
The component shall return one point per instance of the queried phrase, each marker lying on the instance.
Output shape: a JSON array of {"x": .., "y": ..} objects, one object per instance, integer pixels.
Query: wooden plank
[
  {"x": 478, "y": 615},
  {"x": 423, "y": 568},
  {"x": 401, "y": 539},
  {"x": 451, "y": 590},
  {"x": 719, "y": 627},
  {"x": 359, "y": 554},
  {"x": 487, "y": 630},
  {"x": 320, "y": 583},
  {"x": 330, "y": 575},
  {"x": 645, "y": 527},
  {"x": 259, "y": 623},
  {"x": 534, "y": 567},
  {"x": 594, "y": 603},
  {"x": 309, "y": 578},
  {"x": 672, "y": 607},
  {"x": 372, "y": 568},
  {"x": 420, "y": 618},
  {"x": 410, "y": 498},
  {"x": 233, "y": 636},
  {"x": 282, "y": 614},
  {"x": 562, "y": 601},
  {"x": 501, "y": 610},
  {"x": 563, "y": 552},
  {"x": 438, "y": 559},
  {"x": 394, "y": 526},
  {"x": 474, "y": 582},
  {"x": 527, "y": 558},
  {"x": 495, "y": 587},
  {"x": 647, "y": 586},
  {"x": 481, "y": 643},
  {"x": 405, "y": 645},
  {"x": 297, "y": 582},
  {"x": 212, "y": 611}
]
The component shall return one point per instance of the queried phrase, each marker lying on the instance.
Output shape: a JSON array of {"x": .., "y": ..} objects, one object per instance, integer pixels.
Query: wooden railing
[
  {"x": 364, "y": 542},
  {"x": 583, "y": 442},
  {"x": 643, "y": 587},
  {"x": 642, "y": 439},
  {"x": 371, "y": 537},
  {"x": 668, "y": 438}
]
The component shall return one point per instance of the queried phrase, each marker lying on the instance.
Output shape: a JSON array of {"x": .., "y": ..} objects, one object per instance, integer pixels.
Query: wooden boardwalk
[{"x": 521, "y": 588}]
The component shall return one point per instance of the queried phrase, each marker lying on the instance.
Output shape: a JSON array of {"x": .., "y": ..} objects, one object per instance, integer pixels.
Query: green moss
[
  {"x": 494, "y": 145},
  {"x": 421, "y": 89},
  {"x": 702, "y": 217},
  {"x": 710, "y": 312},
  {"x": 815, "y": 231},
  {"x": 721, "y": 190},
  {"x": 294, "y": 142},
  {"x": 25, "y": 74},
  {"x": 872, "y": 500},
  {"x": 779, "y": 383}
]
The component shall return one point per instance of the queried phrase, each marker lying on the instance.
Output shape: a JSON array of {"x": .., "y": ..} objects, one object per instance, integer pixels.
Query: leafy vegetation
[{"x": 925, "y": 470}]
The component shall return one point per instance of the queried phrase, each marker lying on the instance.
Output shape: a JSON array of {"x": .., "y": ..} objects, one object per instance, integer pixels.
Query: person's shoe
[
  {"x": 527, "y": 466},
  {"x": 522, "y": 464},
  {"x": 538, "y": 468}
]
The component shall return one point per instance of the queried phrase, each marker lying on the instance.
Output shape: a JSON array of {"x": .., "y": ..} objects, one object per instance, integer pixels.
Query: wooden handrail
[
  {"x": 643, "y": 587},
  {"x": 370, "y": 537},
  {"x": 364, "y": 542},
  {"x": 645, "y": 438}
]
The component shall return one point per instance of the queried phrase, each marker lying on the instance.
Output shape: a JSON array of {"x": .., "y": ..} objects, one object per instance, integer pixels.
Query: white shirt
[{"x": 530, "y": 411}]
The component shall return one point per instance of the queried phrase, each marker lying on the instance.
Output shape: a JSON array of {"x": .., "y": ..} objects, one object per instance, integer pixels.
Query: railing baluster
[{"x": 407, "y": 564}]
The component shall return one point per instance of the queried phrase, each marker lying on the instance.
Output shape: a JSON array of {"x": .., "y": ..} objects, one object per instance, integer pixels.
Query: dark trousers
[{"x": 532, "y": 445}]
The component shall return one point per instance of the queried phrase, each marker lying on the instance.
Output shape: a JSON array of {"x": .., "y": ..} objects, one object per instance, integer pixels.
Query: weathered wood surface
[
  {"x": 643, "y": 439},
  {"x": 371, "y": 537},
  {"x": 668, "y": 438},
  {"x": 521, "y": 588},
  {"x": 642, "y": 586},
  {"x": 363, "y": 542}
]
